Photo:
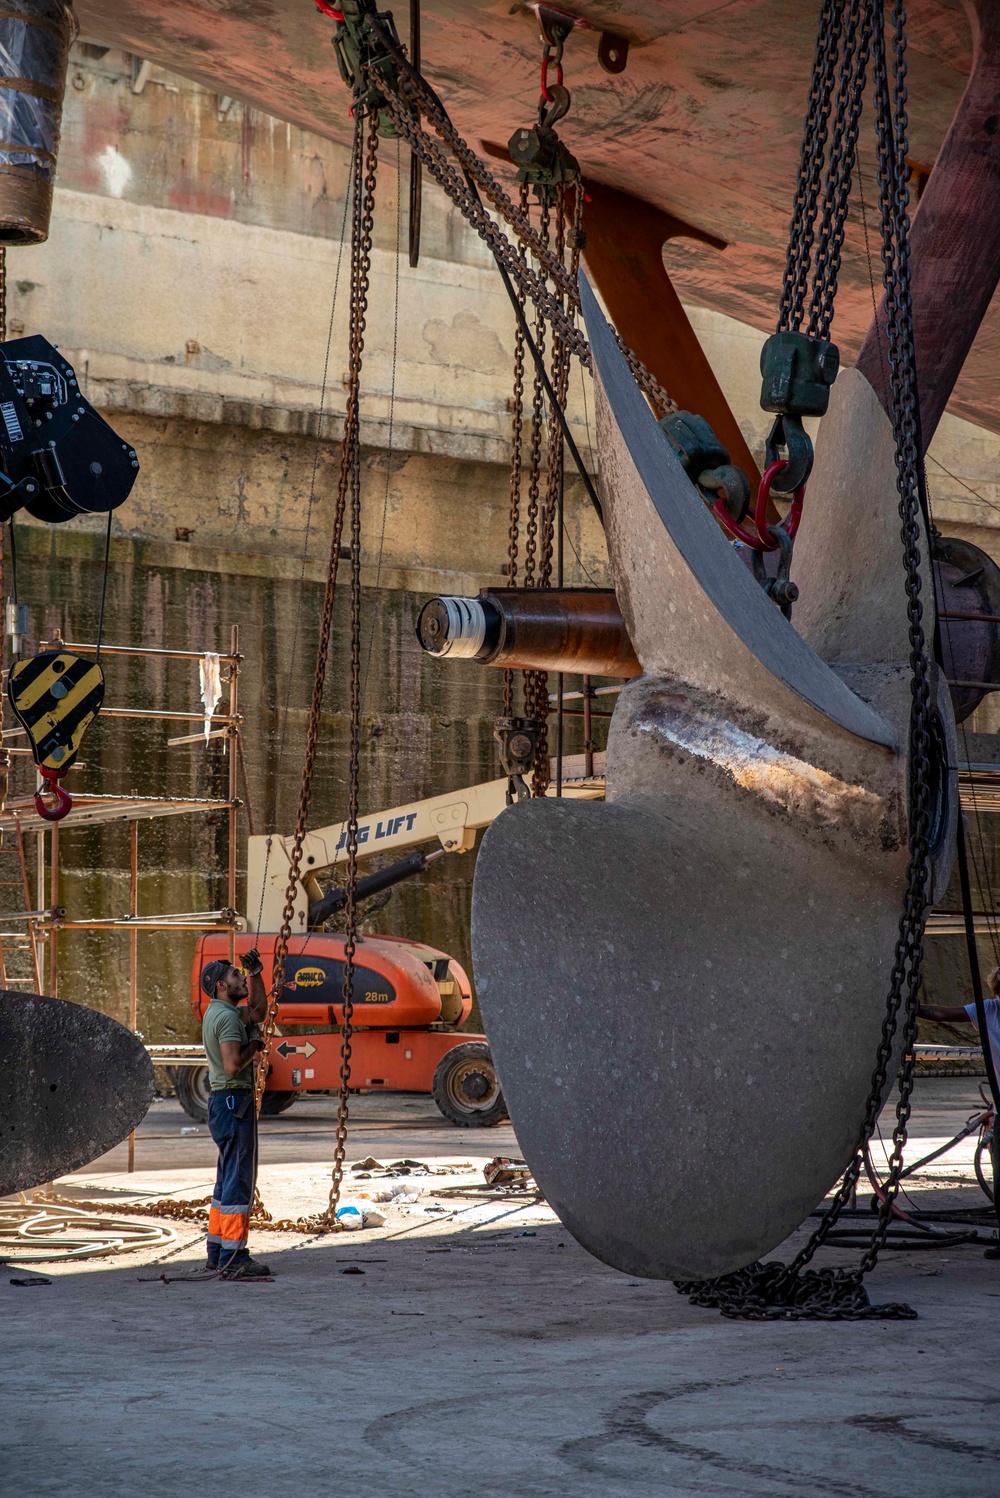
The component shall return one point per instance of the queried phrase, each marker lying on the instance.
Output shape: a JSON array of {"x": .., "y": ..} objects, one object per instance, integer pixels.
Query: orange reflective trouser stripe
[
  {"x": 228, "y": 1228},
  {"x": 229, "y": 1218}
]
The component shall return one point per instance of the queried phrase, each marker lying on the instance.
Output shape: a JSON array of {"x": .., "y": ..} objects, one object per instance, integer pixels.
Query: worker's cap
[{"x": 212, "y": 973}]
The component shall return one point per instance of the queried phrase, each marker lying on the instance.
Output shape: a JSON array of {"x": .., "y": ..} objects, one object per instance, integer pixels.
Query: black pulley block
[{"x": 58, "y": 457}]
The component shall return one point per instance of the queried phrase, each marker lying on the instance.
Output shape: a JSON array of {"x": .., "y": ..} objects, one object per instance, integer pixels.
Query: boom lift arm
[{"x": 451, "y": 819}]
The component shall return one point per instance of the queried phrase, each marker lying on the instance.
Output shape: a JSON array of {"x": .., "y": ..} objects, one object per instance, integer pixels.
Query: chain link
[
  {"x": 363, "y": 180},
  {"x": 361, "y": 254},
  {"x": 361, "y": 186},
  {"x": 815, "y": 129},
  {"x": 662, "y": 403},
  {"x": 322, "y": 658},
  {"x": 560, "y": 384},
  {"x": 555, "y": 471},
  {"x": 516, "y": 434},
  {"x": 260, "y": 1219},
  {"x": 774, "y": 1290},
  {"x": 418, "y": 94},
  {"x": 842, "y": 49},
  {"x": 416, "y": 98},
  {"x": 843, "y": 154}
]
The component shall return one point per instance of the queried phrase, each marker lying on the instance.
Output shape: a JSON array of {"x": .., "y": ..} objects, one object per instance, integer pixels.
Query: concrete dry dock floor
[{"x": 504, "y": 1365}]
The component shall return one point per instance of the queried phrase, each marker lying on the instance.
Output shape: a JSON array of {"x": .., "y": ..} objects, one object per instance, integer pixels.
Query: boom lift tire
[
  {"x": 276, "y": 1102},
  {"x": 191, "y": 1086},
  {"x": 466, "y": 1087}
]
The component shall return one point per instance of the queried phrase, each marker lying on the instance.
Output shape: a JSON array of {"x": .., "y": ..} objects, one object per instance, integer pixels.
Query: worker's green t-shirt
[{"x": 222, "y": 1022}]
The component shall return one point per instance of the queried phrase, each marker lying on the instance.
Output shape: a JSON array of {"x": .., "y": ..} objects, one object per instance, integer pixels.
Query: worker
[
  {"x": 232, "y": 1046},
  {"x": 961, "y": 1014}
]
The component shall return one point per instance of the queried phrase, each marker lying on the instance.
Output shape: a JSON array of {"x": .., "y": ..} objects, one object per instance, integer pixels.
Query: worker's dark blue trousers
[{"x": 229, "y": 1216}]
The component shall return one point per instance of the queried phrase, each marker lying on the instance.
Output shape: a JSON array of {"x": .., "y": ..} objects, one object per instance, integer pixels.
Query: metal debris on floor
[{"x": 53, "y": 1234}]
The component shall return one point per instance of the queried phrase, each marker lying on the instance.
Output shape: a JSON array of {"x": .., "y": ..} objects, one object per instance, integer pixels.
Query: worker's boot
[{"x": 245, "y": 1268}]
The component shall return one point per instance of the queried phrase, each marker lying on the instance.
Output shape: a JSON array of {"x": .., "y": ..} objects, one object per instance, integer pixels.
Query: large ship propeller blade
[
  {"x": 75, "y": 1084},
  {"x": 684, "y": 987}
]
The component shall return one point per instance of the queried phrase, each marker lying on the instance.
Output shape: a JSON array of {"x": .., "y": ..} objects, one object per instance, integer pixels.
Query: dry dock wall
[{"x": 190, "y": 276}]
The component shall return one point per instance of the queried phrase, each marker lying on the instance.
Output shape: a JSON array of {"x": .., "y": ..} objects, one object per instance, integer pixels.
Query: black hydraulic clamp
[
  {"x": 58, "y": 457},
  {"x": 359, "y": 43},
  {"x": 541, "y": 158},
  {"x": 798, "y": 373},
  {"x": 706, "y": 462},
  {"x": 517, "y": 741}
]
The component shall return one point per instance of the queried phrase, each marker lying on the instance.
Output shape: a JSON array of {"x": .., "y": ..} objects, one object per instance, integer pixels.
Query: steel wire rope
[
  {"x": 104, "y": 587},
  {"x": 349, "y": 489},
  {"x": 260, "y": 1218},
  {"x": 915, "y": 1210},
  {"x": 390, "y": 450},
  {"x": 42, "y": 1232},
  {"x": 447, "y": 178},
  {"x": 308, "y": 528},
  {"x": 990, "y": 503}
]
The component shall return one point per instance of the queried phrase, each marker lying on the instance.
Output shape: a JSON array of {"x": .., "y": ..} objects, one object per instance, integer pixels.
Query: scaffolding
[{"x": 29, "y": 955}]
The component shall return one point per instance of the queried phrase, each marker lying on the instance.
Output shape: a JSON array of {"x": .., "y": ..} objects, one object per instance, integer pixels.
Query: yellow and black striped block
[{"x": 55, "y": 696}]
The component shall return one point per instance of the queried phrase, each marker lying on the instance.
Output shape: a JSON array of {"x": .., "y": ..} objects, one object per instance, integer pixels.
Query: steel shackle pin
[{"x": 706, "y": 1074}]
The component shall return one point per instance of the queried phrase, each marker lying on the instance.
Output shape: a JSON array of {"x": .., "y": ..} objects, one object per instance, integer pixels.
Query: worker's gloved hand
[
  {"x": 254, "y": 1035},
  {"x": 251, "y": 963}
]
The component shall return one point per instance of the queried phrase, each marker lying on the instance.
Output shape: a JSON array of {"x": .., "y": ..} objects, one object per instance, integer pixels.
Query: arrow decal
[{"x": 290, "y": 1048}]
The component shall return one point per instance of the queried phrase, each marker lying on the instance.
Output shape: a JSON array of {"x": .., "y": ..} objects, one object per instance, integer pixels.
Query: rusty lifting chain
[
  {"x": 541, "y": 511},
  {"x": 779, "y": 1291},
  {"x": 363, "y": 180},
  {"x": 407, "y": 98},
  {"x": 533, "y": 269},
  {"x": 361, "y": 188}
]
